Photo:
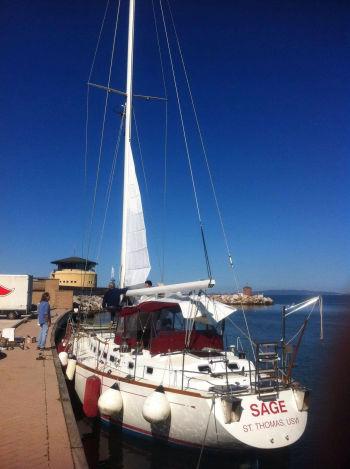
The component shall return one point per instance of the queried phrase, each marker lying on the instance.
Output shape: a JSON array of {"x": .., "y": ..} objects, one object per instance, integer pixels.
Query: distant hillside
[{"x": 298, "y": 292}]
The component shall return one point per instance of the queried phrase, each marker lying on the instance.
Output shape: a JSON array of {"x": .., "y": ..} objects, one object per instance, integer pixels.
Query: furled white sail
[{"x": 137, "y": 265}]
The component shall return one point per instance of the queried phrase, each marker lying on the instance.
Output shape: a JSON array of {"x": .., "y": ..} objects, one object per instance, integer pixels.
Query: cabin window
[
  {"x": 204, "y": 368},
  {"x": 131, "y": 325},
  {"x": 179, "y": 321},
  {"x": 232, "y": 366},
  {"x": 104, "y": 355},
  {"x": 112, "y": 358},
  {"x": 202, "y": 326},
  {"x": 165, "y": 321},
  {"x": 95, "y": 349},
  {"x": 149, "y": 370},
  {"x": 170, "y": 319},
  {"x": 131, "y": 365}
]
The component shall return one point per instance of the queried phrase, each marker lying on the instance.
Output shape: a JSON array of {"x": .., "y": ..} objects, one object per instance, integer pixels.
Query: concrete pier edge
[{"x": 76, "y": 444}]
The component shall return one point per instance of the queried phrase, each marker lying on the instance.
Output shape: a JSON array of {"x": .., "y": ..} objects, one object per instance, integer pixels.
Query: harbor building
[
  {"x": 58, "y": 297},
  {"x": 75, "y": 272}
]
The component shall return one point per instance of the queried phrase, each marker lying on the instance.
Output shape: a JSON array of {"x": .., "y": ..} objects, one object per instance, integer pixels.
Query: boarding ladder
[{"x": 266, "y": 370}]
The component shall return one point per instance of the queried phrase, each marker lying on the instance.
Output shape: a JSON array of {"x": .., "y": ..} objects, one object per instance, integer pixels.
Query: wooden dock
[{"x": 37, "y": 425}]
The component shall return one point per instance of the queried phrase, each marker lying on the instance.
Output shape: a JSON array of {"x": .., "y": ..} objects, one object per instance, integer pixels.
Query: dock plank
[{"x": 34, "y": 431}]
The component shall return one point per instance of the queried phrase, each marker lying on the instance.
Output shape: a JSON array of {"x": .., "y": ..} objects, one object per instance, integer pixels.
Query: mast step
[
  {"x": 267, "y": 371},
  {"x": 267, "y": 354},
  {"x": 267, "y": 360}
]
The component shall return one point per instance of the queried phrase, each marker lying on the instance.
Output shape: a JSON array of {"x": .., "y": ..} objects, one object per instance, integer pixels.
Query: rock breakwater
[
  {"x": 88, "y": 303},
  {"x": 240, "y": 299}
]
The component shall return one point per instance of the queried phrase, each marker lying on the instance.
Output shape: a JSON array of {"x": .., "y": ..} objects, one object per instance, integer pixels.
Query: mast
[{"x": 127, "y": 141}]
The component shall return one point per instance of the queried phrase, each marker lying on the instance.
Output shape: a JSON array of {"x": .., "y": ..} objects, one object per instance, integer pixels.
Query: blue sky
[{"x": 270, "y": 81}]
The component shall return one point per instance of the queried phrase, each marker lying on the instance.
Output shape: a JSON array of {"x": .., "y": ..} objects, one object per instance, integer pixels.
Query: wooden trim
[{"x": 136, "y": 383}]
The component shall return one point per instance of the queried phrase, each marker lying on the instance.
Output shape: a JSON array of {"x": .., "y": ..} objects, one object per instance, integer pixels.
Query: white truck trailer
[{"x": 15, "y": 295}]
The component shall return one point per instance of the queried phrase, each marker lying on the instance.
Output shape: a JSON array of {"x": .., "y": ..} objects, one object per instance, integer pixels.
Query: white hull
[{"x": 198, "y": 419}]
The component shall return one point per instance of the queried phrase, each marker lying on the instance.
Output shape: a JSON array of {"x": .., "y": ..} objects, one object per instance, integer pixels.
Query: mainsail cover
[
  {"x": 137, "y": 265},
  {"x": 201, "y": 307}
]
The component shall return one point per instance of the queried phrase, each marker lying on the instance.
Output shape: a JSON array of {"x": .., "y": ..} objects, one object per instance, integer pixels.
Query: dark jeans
[{"x": 113, "y": 310}]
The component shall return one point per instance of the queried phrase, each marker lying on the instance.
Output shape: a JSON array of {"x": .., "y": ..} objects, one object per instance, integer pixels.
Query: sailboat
[{"x": 163, "y": 371}]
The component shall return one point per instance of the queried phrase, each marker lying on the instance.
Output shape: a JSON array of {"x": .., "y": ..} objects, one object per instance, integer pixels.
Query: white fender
[
  {"x": 156, "y": 407},
  {"x": 71, "y": 368},
  {"x": 110, "y": 402},
  {"x": 63, "y": 356}
]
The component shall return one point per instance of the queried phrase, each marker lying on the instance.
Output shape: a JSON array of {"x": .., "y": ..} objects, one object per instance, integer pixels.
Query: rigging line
[
  {"x": 207, "y": 163},
  {"x": 164, "y": 370},
  {"x": 205, "y": 435},
  {"x": 110, "y": 184},
  {"x": 102, "y": 132},
  {"x": 206, "y": 254},
  {"x": 189, "y": 326},
  {"x": 140, "y": 151},
  {"x": 162, "y": 276},
  {"x": 241, "y": 331},
  {"x": 243, "y": 312},
  {"x": 88, "y": 88},
  {"x": 98, "y": 40},
  {"x": 302, "y": 326},
  {"x": 208, "y": 168},
  {"x": 201, "y": 137},
  {"x": 181, "y": 118},
  {"x": 144, "y": 176},
  {"x": 87, "y": 118},
  {"x": 165, "y": 146},
  {"x": 193, "y": 314}
]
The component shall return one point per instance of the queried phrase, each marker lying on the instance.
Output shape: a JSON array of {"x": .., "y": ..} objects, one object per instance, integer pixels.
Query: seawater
[{"x": 314, "y": 365}]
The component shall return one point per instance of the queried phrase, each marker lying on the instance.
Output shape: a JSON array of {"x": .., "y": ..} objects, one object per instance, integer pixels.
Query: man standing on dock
[{"x": 44, "y": 319}]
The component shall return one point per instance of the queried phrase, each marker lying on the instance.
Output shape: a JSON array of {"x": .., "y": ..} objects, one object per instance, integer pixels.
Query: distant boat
[{"x": 163, "y": 371}]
